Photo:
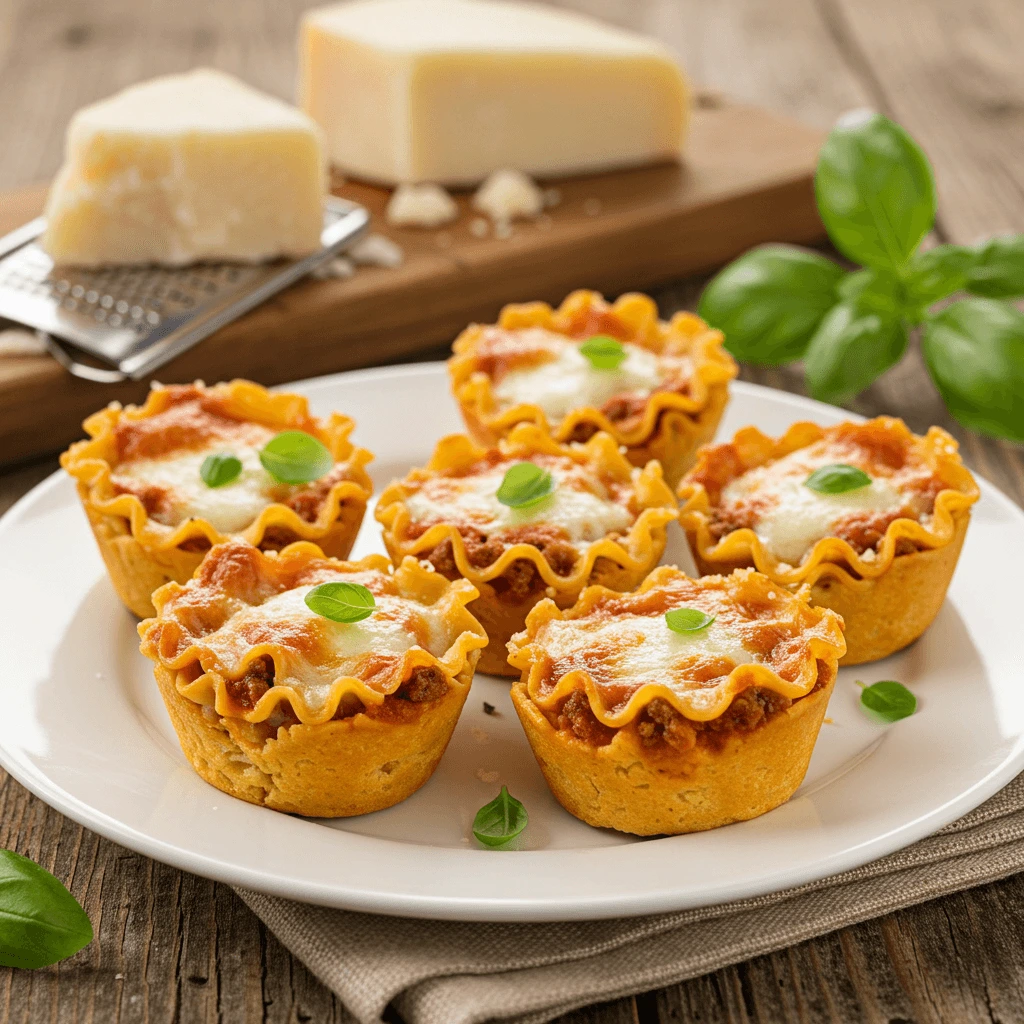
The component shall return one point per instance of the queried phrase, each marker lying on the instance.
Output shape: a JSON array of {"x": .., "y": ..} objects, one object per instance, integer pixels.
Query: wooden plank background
[{"x": 175, "y": 948}]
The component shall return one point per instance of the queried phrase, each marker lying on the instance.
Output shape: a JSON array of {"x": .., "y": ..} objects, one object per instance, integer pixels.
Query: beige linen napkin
[{"x": 438, "y": 972}]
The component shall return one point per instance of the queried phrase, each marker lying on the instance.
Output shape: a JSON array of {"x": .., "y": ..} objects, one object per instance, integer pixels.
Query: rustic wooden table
[{"x": 175, "y": 948}]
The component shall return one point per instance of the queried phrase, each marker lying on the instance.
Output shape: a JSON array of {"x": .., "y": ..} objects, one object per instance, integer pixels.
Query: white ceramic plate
[{"x": 84, "y": 728}]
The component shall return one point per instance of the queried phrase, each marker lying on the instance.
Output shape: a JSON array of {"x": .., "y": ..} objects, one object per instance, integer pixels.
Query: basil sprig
[
  {"x": 687, "y": 620},
  {"x": 340, "y": 601},
  {"x": 837, "y": 479},
  {"x": 876, "y": 196},
  {"x": 888, "y": 700},
  {"x": 295, "y": 457},
  {"x": 499, "y": 822},
  {"x": 525, "y": 484},
  {"x": 603, "y": 351},
  {"x": 40, "y": 921},
  {"x": 221, "y": 469}
]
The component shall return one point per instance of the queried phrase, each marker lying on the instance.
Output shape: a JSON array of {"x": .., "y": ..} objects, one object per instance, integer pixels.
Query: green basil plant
[{"x": 876, "y": 195}]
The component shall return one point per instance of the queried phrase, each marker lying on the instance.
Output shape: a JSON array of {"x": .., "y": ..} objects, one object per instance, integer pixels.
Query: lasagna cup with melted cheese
[
  {"x": 647, "y": 730},
  {"x": 277, "y": 705},
  {"x": 604, "y": 521},
  {"x": 139, "y": 479},
  {"x": 660, "y": 395},
  {"x": 881, "y": 554}
]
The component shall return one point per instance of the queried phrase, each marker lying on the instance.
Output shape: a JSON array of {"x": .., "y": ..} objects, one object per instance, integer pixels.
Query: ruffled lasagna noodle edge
[
  {"x": 829, "y": 555},
  {"x": 601, "y": 454},
  {"x": 824, "y": 641},
  {"x": 685, "y": 332},
  {"x": 92, "y": 462},
  {"x": 161, "y": 636}
]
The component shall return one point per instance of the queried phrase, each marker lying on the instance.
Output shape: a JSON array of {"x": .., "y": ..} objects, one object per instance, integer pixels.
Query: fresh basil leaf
[
  {"x": 295, "y": 457},
  {"x": 40, "y": 921},
  {"x": 997, "y": 271},
  {"x": 341, "y": 602},
  {"x": 934, "y": 274},
  {"x": 837, "y": 479},
  {"x": 525, "y": 484},
  {"x": 218, "y": 470},
  {"x": 850, "y": 349},
  {"x": 875, "y": 191},
  {"x": 769, "y": 302},
  {"x": 499, "y": 822},
  {"x": 687, "y": 620},
  {"x": 888, "y": 700},
  {"x": 974, "y": 349},
  {"x": 603, "y": 351},
  {"x": 872, "y": 291}
]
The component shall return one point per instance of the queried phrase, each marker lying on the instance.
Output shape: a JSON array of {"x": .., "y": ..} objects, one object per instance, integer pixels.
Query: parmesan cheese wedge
[
  {"x": 448, "y": 91},
  {"x": 184, "y": 168}
]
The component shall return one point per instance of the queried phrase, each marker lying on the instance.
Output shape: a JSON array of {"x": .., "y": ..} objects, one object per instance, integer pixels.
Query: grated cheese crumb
[
  {"x": 376, "y": 251},
  {"x": 421, "y": 206},
  {"x": 489, "y": 777},
  {"x": 509, "y": 195},
  {"x": 340, "y": 267}
]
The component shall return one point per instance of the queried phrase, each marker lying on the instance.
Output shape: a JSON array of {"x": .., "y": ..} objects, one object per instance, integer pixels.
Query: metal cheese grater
[{"x": 134, "y": 319}]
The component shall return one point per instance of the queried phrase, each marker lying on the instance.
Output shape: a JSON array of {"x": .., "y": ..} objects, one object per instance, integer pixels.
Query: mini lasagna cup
[
  {"x": 604, "y": 522},
  {"x": 651, "y": 731},
  {"x": 280, "y": 706},
  {"x": 881, "y": 555},
  {"x": 661, "y": 401},
  {"x": 154, "y": 517}
]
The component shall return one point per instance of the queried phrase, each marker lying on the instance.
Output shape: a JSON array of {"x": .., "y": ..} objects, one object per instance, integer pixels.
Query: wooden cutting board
[{"x": 747, "y": 179}]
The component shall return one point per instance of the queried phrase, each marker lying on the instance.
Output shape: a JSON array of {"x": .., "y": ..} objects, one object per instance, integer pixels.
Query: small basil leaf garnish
[
  {"x": 500, "y": 821},
  {"x": 218, "y": 470},
  {"x": 888, "y": 699},
  {"x": 341, "y": 602},
  {"x": 40, "y": 921},
  {"x": 295, "y": 457},
  {"x": 687, "y": 620},
  {"x": 525, "y": 484},
  {"x": 837, "y": 479},
  {"x": 603, "y": 351}
]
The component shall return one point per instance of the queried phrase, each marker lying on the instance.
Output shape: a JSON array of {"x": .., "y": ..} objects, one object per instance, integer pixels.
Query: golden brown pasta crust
[
  {"x": 618, "y": 564},
  {"x": 886, "y": 602},
  {"x": 626, "y": 784},
  {"x": 141, "y": 554},
  {"x": 673, "y": 425},
  {"x": 321, "y": 762}
]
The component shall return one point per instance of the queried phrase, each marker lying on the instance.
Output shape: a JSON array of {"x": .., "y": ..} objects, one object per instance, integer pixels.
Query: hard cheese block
[
  {"x": 450, "y": 90},
  {"x": 184, "y": 168}
]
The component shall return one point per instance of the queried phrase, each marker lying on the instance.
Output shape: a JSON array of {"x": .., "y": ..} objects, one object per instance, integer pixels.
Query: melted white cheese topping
[
  {"x": 341, "y": 646},
  {"x": 583, "y": 515},
  {"x": 229, "y": 508},
  {"x": 798, "y": 516},
  {"x": 567, "y": 380},
  {"x": 645, "y": 649}
]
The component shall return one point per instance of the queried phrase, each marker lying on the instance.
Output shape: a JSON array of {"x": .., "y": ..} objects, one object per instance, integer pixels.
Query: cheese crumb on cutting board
[
  {"x": 184, "y": 168},
  {"x": 421, "y": 206},
  {"x": 449, "y": 91},
  {"x": 509, "y": 195}
]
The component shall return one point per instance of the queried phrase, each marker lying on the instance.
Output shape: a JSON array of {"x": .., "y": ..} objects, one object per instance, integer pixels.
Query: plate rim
[{"x": 619, "y": 903}]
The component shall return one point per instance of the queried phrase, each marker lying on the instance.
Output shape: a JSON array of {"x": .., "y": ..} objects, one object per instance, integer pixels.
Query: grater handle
[{"x": 83, "y": 371}]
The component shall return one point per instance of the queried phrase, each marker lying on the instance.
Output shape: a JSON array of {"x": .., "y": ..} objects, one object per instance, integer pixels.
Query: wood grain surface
[
  {"x": 175, "y": 949},
  {"x": 748, "y": 180}
]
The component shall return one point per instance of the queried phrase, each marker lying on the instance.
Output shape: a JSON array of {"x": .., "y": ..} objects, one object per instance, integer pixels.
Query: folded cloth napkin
[{"x": 444, "y": 972}]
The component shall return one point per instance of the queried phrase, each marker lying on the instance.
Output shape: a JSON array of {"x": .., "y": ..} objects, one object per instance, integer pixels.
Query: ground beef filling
[
  {"x": 426, "y": 683},
  {"x": 659, "y": 725},
  {"x": 259, "y": 678},
  {"x": 521, "y": 578}
]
